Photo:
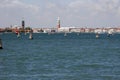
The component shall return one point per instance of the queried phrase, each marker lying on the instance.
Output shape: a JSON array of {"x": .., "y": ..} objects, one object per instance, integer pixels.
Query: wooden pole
[{"x": 1, "y": 44}]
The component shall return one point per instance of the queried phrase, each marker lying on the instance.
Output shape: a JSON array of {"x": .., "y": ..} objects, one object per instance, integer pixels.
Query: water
[{"x": 59, "y": 57}]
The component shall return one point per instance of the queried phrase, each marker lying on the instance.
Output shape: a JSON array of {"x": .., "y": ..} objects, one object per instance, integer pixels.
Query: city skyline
[{"x": 44, "y": 13}]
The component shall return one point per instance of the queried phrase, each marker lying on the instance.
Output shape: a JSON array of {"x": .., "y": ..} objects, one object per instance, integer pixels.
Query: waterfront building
[
  {"x": 2, "y": 30},
  {"x": 75, "y": 30},
  {"x": 111, "y": 30},
  {"x": 66, "y": 29},
  {"x": 117, "y": 30},
  {"x": 98, "y": 30}
]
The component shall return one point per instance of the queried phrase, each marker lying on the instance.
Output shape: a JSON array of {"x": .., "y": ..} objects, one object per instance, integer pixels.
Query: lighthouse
[{"x": 58, "y": 23}]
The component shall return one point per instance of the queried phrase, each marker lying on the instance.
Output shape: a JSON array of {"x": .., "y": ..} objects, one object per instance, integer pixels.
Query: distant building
[
  {"x": 117, "y": 30},
  {"x": 74, "y": 29},
  {"x": 65, "y": 29},
  {"x": 98, "y": 30}
]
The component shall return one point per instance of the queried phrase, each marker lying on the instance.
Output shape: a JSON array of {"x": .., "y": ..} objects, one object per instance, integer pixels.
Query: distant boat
[
  {"x": 44, "y": 31},
  {"x": 110, "y": 32}
]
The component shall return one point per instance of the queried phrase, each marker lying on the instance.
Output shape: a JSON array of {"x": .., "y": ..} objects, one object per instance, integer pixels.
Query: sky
[{"x": 72, "y": 13}]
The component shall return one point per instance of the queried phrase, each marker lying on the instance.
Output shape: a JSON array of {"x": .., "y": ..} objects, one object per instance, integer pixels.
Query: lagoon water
[{"x": 59, "y": 57}]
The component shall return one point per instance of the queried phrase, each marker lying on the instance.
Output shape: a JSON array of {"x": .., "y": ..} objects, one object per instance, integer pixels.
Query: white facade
[{"x": 64, "y": 29}]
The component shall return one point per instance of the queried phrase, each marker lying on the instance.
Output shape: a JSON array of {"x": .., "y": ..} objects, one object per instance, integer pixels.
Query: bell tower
[
  {"x": 23, "y": 24},
  {"x": 58, "y": 23}
]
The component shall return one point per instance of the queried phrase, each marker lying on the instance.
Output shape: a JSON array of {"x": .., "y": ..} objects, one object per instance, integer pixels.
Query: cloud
[
  {"x": 12, "y": 11},
  {"x": 96, "y": 6},
  {"x": 71, "y": 12},
  {"x": 94, "y": 12},
  {"x": 12, "y": 4}
]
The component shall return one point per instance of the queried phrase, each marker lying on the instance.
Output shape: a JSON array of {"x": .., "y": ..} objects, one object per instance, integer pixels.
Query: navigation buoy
[
  {"x": 30, "y": 36},
  {"x": 18, "y": 35},
  {"x": 97, "y": 35},
  {"x": 1, "y": 44},
  {"x": 65, "y": 34}
]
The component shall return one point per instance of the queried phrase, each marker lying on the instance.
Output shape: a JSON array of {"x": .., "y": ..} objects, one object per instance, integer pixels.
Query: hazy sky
[{"x": 44, "y": 13}]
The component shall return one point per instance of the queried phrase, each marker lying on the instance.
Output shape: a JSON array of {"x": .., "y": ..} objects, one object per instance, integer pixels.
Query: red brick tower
[{"x": 23, "y": 24}]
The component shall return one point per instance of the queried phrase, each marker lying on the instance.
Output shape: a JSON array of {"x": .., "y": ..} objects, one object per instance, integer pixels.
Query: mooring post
[
  {"x": 30, "y": 36},
  {"x": 1, "y": 44}
]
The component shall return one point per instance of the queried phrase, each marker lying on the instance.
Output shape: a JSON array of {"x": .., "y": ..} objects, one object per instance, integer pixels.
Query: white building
[{"x": 65, "y": 29}]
